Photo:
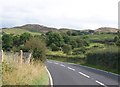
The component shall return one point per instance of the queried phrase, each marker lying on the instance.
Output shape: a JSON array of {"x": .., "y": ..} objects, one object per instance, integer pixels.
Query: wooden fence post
[
  {"x": 21, "y": 56},
  {"x": 29, "y": 57},
  {"x": 2, "y": 58}
]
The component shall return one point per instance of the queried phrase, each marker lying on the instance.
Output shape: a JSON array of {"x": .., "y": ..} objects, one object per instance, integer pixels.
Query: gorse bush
[{"x": 107, "y": 57}]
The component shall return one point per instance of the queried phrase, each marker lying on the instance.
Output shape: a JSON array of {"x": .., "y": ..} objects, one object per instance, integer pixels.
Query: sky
[{"x": 73, "y": 14}]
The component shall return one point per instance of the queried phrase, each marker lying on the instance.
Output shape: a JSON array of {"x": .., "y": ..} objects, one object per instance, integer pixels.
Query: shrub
[
  {"x": 104, "y": 57},
  {"x": 54, "y": 47},
  {"x": 38, "y": 47},
  {"x": 7, "y": 42},
  {"x": 67, "y": 48},
  {"x": 79, "y": 51}
]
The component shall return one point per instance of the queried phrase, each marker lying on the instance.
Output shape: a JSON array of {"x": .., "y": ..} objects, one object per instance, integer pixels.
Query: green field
[
  {"x": 95, "y": 37},
  {"x": 19, "y": 31}
]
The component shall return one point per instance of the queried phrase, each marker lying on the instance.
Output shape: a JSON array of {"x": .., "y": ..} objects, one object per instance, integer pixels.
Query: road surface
[{"x": 77, "y": 75}]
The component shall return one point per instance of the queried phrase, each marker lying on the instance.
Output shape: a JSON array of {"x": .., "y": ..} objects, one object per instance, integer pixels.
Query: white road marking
[
  {"x": 62, "y": 65},
  {"x": 51, "y": 80},
  {"x": 84, "y": 74},
  {"x": 55, "y": 63},
  {"x": 49, "y": 62},
  {"x": 101, "y": 83},
  {"x": 71, "y": 68}
]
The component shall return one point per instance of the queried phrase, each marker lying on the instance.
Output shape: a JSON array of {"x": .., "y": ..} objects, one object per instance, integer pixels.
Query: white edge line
[
  {"x": 84, "y": 74},
  {"x": 100, "y": 83},
  {"x": 50, "y": 77}
]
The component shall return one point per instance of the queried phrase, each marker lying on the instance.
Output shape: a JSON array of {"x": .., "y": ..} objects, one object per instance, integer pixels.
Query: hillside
[
  {"x": 106, "y": 30},
  {"x": 36, "y": 28},
  {"x": 18, "y": 31}
]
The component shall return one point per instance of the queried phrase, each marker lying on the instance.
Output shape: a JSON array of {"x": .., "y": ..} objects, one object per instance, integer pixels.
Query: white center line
[
  {"x": 101, "y": 83},
  {"x": 84, "y": 74},
  {"x": 55, "y": 63},
  {"x": 71, "y": 68},
  {"x": 62, "y": 65}
]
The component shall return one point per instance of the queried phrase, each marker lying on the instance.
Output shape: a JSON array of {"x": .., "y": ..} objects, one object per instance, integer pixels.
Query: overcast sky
[{"x": 76, "y": 14}]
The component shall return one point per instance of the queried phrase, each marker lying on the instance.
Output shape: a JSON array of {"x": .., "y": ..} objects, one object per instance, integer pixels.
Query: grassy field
[
  {"x": 23, "y": 74},
  {"x": 95, "y": 37},
  {"x": 18, "y": 31}
]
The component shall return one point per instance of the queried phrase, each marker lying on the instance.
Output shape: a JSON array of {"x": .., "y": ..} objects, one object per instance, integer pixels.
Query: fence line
[{"x": 19, "y": 57}]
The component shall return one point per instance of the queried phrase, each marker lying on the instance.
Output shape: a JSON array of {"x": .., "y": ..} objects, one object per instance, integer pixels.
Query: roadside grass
[
  {"x": 24, "y": 74},
  {"x": 19, "y": 31},
  {"x": 102, "y": 68}
]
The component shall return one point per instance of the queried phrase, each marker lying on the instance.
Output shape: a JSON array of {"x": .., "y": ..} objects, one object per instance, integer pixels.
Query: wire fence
[{"x": 19, "y": 57}]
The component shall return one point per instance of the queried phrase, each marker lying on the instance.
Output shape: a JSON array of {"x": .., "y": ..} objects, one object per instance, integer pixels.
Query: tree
[
  {"x": 67, "y": 49},
  {"x": 37, "y": 47},
  {"x": 69, "y": 32},
  {"x": 16, "y": 41},
  {"x": 66, "y": 38},
  {"x": 73, "y": 43},
  {"x": 56, "y": 38},
  {"x": 7, "y": 42},
  {"x": 24, "y": 37}
]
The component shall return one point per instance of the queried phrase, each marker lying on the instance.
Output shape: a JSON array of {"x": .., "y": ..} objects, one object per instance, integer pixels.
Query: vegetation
[
  {"x": 107, "y": 57},
  {"x": 19, "y": 31},
  {"x": 23, "y": 74},
  {"x": 15, "y": 73},
  {"x": 89, "y": 47},
  {"x": 67, "y": 49},
  {"x": 38, "y": 49}
]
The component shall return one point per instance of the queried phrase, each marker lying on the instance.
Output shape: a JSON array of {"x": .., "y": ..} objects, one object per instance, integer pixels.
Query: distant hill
[
  {"x": 43, "y": 29},
  {"x": 36, "y": 28},
  {"x": 18, "y": 31},
  {"x": 106, "y": 30}
]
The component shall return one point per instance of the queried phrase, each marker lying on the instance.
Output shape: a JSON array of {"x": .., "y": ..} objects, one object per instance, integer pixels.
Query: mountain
[
  {"x": 36, "y": 28},
  {"x": 107, "y": 30}
]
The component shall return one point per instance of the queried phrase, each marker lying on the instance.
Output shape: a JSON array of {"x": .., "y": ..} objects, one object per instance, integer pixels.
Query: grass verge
[{"x": 24, "y": 74}]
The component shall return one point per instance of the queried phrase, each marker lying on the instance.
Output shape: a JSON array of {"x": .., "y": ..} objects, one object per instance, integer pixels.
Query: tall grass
[{"x": 23, "y": 74}]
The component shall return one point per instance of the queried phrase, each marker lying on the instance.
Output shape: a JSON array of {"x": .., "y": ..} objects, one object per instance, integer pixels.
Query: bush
[
  {"x": 104, "y": 57},
  {"x": 67, "y": 48},
  {"x": 79, "y": 51},
  {"x": 54, "y": 47},
  {"x": 7, "y": 42},
  {"x": 38, "y": 47}
]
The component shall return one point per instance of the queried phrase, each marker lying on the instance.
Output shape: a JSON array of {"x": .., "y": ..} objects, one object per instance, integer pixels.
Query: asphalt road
[{"x": 71, "y": 74}]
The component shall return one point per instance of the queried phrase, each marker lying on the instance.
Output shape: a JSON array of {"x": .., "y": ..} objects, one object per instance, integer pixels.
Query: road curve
[{"x": 76, "y": 75}]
